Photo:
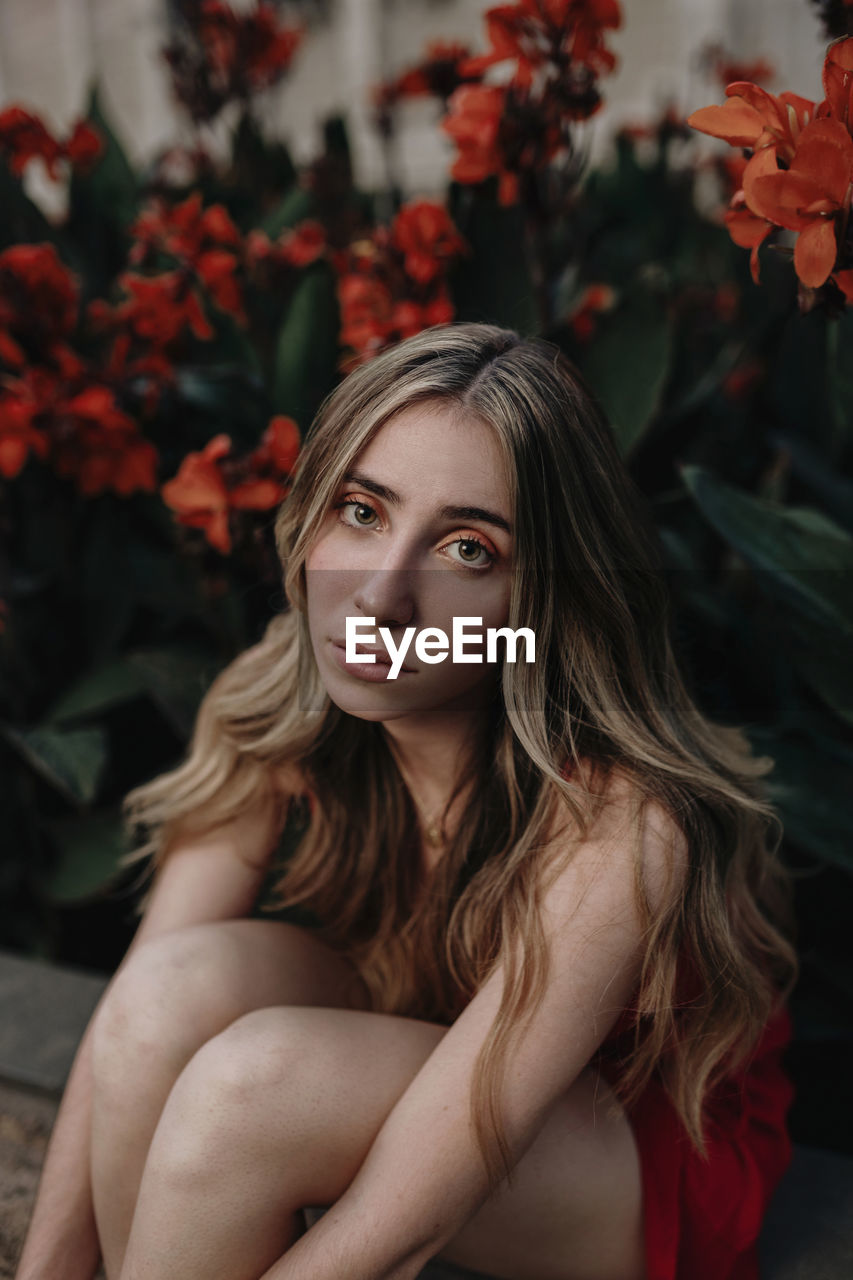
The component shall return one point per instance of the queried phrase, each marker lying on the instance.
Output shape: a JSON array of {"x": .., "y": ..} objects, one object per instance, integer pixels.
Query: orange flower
[
  {"x": 259, "y": 494},
  {"x": 279, "y": 445},
  {"x": 746, "y": 227},
  {"x": 198, "y": 493},
  {"x": 808, "y": 196},
  {"x": 752, "y": 117},
  {"x": 838, "y": 81},
  {"x": 425, "y": 233},
  {"x": 473, "y": 121}
]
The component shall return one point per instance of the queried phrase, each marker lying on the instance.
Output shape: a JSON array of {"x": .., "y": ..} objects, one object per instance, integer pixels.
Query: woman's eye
[
  {"x": 483, "y": 556},
  {"x": 484, "y": 559},
  {"x": 360, "y": 506}
]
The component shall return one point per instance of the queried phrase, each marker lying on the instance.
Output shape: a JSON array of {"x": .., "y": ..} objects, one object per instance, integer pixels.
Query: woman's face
[{"x": 387, "y": 550}]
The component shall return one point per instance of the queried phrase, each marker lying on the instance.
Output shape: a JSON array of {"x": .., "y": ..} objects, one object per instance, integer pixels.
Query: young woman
[{"x": 536, "y": 1028}]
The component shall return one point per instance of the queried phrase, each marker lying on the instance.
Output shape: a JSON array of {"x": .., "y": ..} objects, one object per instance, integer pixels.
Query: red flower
[
  {"x": 253, "y": 43},
  {"x": 561, "y": 32},
  {"x": 159, "y": 310},
  {"x": 256, "y": 495},
  {"x": 84, "y": 146},
  {"x": 438, "y": 73},
  {"x": 595, "y": 299},
  {"x": 18, "y": 435},
  {"x": 185, "y": 229},
  {"x": 198, "y": 493},
  {"x": 393, "y": 285},
  {"x": 220, "y": 56},
  {"x": 727, "y": 69},
  {"x": 838, "y": 81},
  {"x": 799, "y": 176},
  {"x": 276, "y": 454},
  {"x": 558, "y": 50},
  {"x": 296, "y": 247},
  {"x": 204, "y": 241},
  {"x": 425, "y": 233},
  {"x": 38, "y": 302},
  {"x": 208, "y": 486},
  {"x": 103, "y": 449},
  {"x": 748, "y": 230},
  {"x": 752, "y": 117},
  {"x": 23, "y": 137},
  {"x": 304, "y": 244},
  {"x": 808, "y": 196},
  {"x": 366, "y": 313},
  {"x": 473, "y": 121},
  {"x": 215, "y": 269},
  {"x": 280, "y": 445}
]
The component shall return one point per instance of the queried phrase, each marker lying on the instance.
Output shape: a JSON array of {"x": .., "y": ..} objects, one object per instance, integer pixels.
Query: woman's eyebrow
[{"x": 446, "y": 512}]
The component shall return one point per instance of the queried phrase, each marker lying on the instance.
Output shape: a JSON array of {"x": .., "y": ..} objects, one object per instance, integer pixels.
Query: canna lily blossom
[
  {"x": 424, "y": 232},
  {"x": 808, "y": 196},
  {"x": 838, "y": 82},
  {"x": 198, "y": 494},
  {"x": 752, "y": 117}
]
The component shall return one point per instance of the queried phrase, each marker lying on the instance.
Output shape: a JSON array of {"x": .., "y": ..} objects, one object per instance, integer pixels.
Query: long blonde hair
[{"x": 605, "y": 691}]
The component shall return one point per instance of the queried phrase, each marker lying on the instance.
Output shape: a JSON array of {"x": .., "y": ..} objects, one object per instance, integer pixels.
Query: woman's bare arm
[{"x": 215, "y": 877}]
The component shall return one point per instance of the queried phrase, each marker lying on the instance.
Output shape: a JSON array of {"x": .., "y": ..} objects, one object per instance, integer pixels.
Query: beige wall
[{"x": 49, "y": 50}]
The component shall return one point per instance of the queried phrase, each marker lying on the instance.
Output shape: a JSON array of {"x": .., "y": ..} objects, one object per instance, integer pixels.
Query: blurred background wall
[{"x": 51, "y": 50}]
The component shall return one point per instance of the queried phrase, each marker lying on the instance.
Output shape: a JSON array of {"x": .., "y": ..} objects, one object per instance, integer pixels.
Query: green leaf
[
  {"x": 296, "y": 206},
  {"x": 101, "y": 205},
  {"x": 111, "y": 185},
  {"x": 89, "y": 848},
  {"x": 492, "y": 283},
  {"x": 23, "y": 221},
  {"x": 230, "y": 396},
  {"x": 822, "y": 657},
  {"x": 71, "y": 760},
  {"x": 258, "y": 166},
  {"x": 798, "y": 381},
  {"x": 628, "y": 364},
  {"x": 108, "y": 686},
  {"x": 810, "y": 785},
  {"x": 307, "y": 346},
  {"x": 176, "y": 679},
  {"x": 840, "y": 383},
  {"x": 799, "y": 556}
]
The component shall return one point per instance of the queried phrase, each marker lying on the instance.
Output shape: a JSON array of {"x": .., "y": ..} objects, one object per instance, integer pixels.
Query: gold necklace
[{"x": 433, "y": 829}]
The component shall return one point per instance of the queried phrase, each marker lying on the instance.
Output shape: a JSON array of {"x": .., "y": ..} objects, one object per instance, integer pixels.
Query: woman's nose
[{"x": 387, "y": 595}]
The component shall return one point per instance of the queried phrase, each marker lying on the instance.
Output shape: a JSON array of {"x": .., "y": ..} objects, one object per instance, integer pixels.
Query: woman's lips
[{"x": 372, "y": 671}]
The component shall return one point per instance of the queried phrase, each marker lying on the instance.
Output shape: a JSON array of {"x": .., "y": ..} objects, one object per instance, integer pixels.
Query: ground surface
[{"x": 25, "y": 1123}]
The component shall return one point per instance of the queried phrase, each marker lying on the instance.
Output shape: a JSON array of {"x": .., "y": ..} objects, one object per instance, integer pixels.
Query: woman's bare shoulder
[{"x": 623, "y": 812}]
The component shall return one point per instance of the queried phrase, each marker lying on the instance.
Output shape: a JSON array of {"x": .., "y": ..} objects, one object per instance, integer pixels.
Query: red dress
[{"x": 702, "y": 1220}]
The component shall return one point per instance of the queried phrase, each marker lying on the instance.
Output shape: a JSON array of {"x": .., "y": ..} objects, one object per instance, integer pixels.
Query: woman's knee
[
  {"x": 180, "y": 988},
  {"x": 162, "y": 1002},
  {"x": 226, "y": 1105}
]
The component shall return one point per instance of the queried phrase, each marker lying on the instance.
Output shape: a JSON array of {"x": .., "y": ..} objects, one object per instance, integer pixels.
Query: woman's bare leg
[
  {"x": 278, "y": 1113},
  {"x": 178, "y": 991}
]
